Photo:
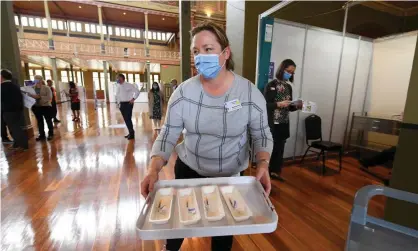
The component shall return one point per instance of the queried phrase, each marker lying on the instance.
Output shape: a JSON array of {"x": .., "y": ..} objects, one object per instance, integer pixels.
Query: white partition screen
[
  {"x": 348, "y": 63},
  {"x": 317, "y": 54},
  {"x": 322, "y": 57},
  {"x": 392, "y": 65},
  {"x": 361, "y": 79},
  {"x": 288, "y": 42}
]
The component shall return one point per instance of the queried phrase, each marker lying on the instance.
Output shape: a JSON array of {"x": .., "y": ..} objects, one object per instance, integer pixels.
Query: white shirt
[{"x": 126, "y": 92}]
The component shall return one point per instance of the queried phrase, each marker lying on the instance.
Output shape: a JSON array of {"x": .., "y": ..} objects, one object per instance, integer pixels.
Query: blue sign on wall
[{"x": 271, "y": 70}]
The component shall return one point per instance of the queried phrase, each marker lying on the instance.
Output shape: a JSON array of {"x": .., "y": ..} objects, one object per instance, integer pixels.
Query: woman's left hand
[{"x": 263, "y": 176}]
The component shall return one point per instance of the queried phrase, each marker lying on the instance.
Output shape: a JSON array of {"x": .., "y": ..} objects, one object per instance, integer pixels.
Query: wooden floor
[{"x": 81, "y": 191}]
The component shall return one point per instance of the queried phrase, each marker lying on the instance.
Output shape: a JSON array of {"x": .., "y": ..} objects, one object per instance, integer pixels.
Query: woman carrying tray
[{"x": 216, "y": 108}]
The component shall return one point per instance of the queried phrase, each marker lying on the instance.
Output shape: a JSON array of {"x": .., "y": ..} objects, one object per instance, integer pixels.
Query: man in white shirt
[{"x": 126, "y": 95}]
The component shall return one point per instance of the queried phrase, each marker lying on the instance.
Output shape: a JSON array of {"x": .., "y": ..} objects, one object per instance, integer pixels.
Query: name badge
[{"x": 233, "y": 105}]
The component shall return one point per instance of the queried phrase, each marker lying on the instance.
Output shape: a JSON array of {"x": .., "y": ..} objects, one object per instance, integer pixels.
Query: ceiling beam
[
  {"x": 412, "y": 11},
  {"x": 125, "y": 7},
  {"x": 379, "y": 6},
  {"x": 391, "y": 8},
  {"x": 59, "y": 8},
  {"x": 92, "y": 20}
]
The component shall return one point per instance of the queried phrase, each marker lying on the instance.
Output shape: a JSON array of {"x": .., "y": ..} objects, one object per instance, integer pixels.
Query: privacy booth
[{"x": 347, "y": 75}]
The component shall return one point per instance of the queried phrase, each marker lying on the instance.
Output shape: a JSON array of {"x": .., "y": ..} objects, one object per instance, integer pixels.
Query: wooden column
[
  {"x": 405, "y": 171},
  {"x": 185, "y": 27},
  {"x": 10, "y": 53}
]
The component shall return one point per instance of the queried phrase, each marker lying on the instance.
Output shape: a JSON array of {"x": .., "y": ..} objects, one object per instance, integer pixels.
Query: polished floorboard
[{"x": 81, "y": 191}]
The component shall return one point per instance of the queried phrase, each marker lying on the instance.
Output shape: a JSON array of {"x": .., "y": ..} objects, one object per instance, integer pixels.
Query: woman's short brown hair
[{"x": 220, "y": 37}]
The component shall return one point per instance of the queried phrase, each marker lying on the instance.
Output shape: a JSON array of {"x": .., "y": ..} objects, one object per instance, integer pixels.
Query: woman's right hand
[
  {"x": 284, "y": 104},
  {"x": 147, "y": 185}
]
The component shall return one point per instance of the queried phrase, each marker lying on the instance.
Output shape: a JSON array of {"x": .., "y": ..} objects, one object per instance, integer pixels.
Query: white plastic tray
[{"x": 264, "y": 217}]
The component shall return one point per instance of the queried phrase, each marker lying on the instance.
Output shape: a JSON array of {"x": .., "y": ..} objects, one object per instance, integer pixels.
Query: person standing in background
[
  {"x": 42, "y": 107},
  {"x": 125, "y": 96},
  {"x": 278, "y": 94},
  {"x": 75, "y": 101},
  {"x": 53, "y": 102},
  {"x": 173, "y": 84},
  {"x": 12, "y": 110},
  {"x": 155, "y": 104}
]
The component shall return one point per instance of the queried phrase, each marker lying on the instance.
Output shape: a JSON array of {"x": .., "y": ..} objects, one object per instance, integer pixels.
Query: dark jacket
[
  {"x": 270, "y": 92},
  {"x": 11, "y": 97}
]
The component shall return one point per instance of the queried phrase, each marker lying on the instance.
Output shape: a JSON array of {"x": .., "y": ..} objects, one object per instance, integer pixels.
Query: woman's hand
[
  {"x": 147, "y": 185},
  {"x": 284, "y": 104},
  {"x": 262, "y": 175}
]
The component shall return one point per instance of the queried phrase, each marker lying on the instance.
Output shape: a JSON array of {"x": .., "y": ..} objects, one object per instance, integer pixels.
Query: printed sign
[
  {"x": 309, "y": 107},
  {"x": 269, "y": 33}
]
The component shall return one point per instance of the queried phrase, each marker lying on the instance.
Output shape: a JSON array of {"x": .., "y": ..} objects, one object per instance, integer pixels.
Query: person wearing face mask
[
  {"x": 155, "y": 104},
  {"x": 278, "y": 94},
  {"x": 126, "y": 94},
  {"x": 42, "y": 108},
  {"x": 217, "y": 108}
]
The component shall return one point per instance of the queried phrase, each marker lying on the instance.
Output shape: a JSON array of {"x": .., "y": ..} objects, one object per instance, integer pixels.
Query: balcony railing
[{"x": 89, "y": 50}]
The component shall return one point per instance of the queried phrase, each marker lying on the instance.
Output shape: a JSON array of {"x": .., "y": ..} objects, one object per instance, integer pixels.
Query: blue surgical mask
[
  {"x": 36, "y": 81},
  {"x": 208, "y": 65},
  {"x": 286, "y": 75}
]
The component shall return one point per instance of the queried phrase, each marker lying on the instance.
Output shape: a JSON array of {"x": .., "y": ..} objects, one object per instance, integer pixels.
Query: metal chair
[{"x": 314, "y": 140}]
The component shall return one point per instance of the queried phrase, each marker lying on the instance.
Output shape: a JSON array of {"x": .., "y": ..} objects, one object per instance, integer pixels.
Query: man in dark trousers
[
  {"x": 12, "y": 110},
  {"x": 126, "y": 95},
  {"x": 53, "y": 102},
  {"x": 4, "y": 136}
]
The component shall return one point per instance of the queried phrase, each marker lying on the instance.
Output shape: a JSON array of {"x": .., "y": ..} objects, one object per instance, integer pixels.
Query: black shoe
[
  {"x": 50, "y": 137},
  {"x": 127, "y": 136},
  {"x": 276, "y": 176},
  {"x": 57, "y": 121},
  {"x": 39, "y": 138},
  {"x": 131, "y": 136},
  {"x": 364, "y": 163},
  {"x": 7, "y": 141}
]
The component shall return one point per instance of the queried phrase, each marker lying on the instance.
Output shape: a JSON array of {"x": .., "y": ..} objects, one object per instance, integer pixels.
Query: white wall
[
  {"x": 392, "y": 65},
  {"x": 235, "y": 18},
  {"x": 316, "y": 80}
]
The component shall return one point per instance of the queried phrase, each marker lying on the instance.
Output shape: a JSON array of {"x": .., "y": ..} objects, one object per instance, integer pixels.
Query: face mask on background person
[
  {"x": 36, "y": 81},
  {"x": 154, "y": 87},
  {"x": 286, "y": 75},
  {"x": 208, "y": 65}
]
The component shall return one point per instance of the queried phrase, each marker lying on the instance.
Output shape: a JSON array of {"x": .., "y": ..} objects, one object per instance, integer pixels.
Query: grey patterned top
[{"x": 215, "y": 140}]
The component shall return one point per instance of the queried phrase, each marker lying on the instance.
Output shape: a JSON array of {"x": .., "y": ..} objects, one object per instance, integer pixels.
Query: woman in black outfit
[{"x": 278, "y": 94}]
